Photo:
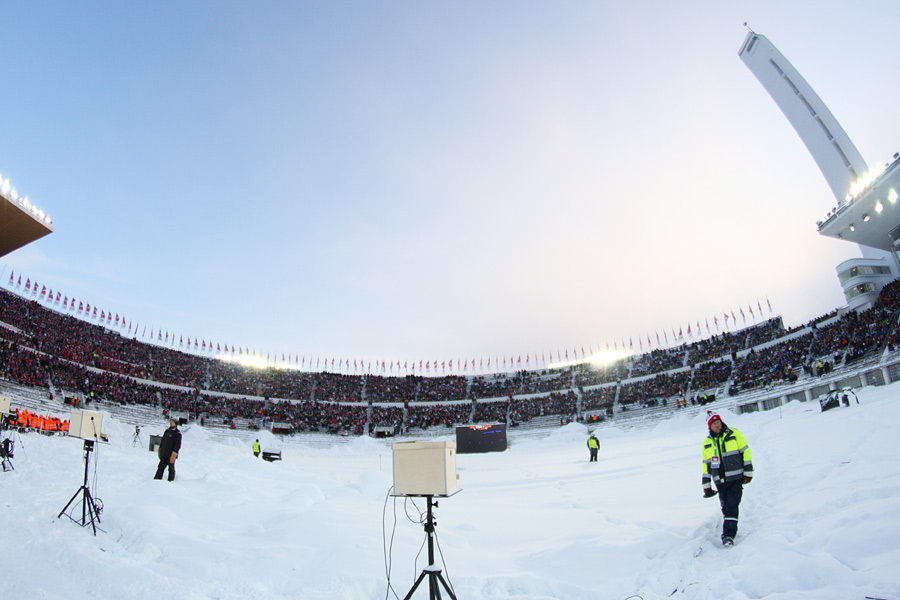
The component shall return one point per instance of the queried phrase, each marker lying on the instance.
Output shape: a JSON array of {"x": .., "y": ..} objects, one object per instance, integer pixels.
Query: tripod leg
[
  {"x": 415, "y": 585},
  {"x": 446, "y": 587},
  {"x": 434, "y": 592},
  {"x": 92, "y": 510},
  {"x": 71, "y": 500}
]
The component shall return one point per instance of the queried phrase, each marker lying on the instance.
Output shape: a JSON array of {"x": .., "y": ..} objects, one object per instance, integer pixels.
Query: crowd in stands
[
  {"x": 781, "y": 362},
  {"x": 654, "y": 389},
  {"x": 333, "y": 387},
  {"x": 491, "y": 412},
  {"x": 536, "y": 382},
  {"x": 423, "y": 416},
  {"x": 726, "y": 344},
  {"x": 387, "y": 416},
  {"x": 493, "y": 386},
  {"x": 588, "y": 374},
  {"x": 42, "y": 348},
  {"x": 658, "y": 361},
  {"x": 711, "y": 374},
  {"x": 392, "y": 389},
  {"x": 450, "y": 387},
  {"x": 20, "y": 365},
  {"x": 764, "y": 332},
  {"x": 598, "y": 398},
  {"x": 557, "y": 403}
]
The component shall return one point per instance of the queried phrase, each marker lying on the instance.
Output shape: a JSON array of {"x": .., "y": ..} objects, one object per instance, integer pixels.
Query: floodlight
[
  {"x": 892, "y": 195},
  {"x": 852, "y": 227},
  {"x": 879, "y": 207},
  {"x": 866, "y": 218}
]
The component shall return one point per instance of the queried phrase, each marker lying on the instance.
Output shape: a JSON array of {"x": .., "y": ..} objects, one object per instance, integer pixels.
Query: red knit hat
[{"x": 710, "y": 417}]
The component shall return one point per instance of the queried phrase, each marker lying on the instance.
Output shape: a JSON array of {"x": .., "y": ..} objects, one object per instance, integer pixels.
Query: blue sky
[{"x": 432, "y": 181}]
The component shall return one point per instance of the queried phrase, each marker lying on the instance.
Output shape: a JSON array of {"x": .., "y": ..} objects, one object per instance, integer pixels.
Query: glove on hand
[
  {"x": 747, "y": 479},
  {"x": 709, "y": 492},
  {"x": 172, "y": 457}
]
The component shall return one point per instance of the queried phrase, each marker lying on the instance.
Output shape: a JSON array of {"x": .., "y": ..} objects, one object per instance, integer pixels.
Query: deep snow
[{"x": 821, "y": 519}]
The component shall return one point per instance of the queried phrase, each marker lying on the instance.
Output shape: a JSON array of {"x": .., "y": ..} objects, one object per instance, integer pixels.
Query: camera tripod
[
  {"x": 432, "y": 572},
  {"x": 137, "y": 436},
  {"x": 6, "y": 453},
  {"x": 90, "y": 511},
  {"x": 7, "y": 444}
]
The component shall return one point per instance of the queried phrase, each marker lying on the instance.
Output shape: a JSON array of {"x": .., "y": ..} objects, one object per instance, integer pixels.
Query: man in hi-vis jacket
[{"x": 728, "y": 463}]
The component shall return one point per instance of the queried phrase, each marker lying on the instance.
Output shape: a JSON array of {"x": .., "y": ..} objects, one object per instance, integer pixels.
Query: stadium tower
[{"x": 867, "y": 212}]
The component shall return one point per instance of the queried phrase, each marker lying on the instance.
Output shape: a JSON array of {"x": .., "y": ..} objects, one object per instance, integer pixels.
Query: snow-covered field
[{"x": 820, "y": 520}]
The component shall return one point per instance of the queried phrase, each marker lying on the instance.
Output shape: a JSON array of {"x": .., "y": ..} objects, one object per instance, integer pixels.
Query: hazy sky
[{"x": 426, "y": 180}]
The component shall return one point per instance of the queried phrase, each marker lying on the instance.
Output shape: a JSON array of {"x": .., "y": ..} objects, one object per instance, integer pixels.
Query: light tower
[{"x": 847, "y": 174}]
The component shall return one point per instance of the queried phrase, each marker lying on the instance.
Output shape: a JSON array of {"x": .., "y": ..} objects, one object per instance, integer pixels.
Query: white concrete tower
[
  {"x": 830, "y": 146},
  {"x": 827, "y": 142}
]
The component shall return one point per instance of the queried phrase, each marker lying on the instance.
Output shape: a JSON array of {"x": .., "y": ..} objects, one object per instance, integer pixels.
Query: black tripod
[
  {"x": 89, "y": 510},
  {"x": 137, "y": 436},
  {"x": 7, "y": 444},
  {"x": 6, "y": 454},
  {"x": 432, "y": 572}
]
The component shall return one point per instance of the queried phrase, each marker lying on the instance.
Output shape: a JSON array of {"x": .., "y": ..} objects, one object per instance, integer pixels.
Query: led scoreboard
[{"x": 480, "y": 438}]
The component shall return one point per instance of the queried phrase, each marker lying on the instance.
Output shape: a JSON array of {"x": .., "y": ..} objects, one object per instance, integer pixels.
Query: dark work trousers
[
  {"x": 163, "y": 463},
  {"x": 593, "y": 454},
  {"x": 730, "y": 498}
]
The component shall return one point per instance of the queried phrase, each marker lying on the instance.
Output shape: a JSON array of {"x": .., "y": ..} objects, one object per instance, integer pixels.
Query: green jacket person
[
  {"x": 594, "y": 446},
  {"x": 727, "y": 462}
]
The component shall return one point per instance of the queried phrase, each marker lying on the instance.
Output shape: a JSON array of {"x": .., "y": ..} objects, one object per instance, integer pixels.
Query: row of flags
[{"x": 245, "y": 355}]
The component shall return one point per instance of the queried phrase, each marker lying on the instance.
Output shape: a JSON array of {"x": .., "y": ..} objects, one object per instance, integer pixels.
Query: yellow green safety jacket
[{"x": 726, "y": 457}]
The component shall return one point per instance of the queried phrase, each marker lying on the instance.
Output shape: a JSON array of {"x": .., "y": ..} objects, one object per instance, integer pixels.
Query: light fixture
[
  {"x": 866, "y": 218},
  {"x": 892, "y": 196},
  {"x": 879, "y": 207},
  {"x": 853, "y": 228}
]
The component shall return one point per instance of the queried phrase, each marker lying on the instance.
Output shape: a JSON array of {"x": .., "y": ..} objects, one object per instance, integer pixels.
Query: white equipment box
[
  {"x": 424, "y": 468},
  {"x": 85, "y": 424}
]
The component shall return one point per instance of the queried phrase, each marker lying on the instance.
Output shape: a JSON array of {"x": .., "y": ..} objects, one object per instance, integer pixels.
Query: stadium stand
[{"x": 49, "y": 360}]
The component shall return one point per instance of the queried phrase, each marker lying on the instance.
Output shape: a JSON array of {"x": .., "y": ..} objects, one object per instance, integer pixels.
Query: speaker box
[
  {"x": 424, "y": 468},
  {"x": 85, "y": 424}
]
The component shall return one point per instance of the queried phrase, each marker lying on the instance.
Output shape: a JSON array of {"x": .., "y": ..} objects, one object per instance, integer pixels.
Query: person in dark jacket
[
  {"x": 168, "y": 450},
  {"x": 728, "y": 463}
]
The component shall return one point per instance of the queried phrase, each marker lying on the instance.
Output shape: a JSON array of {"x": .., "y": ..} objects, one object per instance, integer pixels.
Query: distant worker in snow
[
  {"x": 728, "y": 463},
  {"x": 594, "y": 446},
  {"x": 256, "y": 448}
]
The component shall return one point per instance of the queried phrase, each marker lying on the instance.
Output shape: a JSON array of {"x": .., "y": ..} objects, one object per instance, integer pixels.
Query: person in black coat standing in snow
[{"x": 168, "y": 450}]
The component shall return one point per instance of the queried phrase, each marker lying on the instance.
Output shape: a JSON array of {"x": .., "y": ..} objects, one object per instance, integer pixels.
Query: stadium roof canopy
[
  {"x": 870, "y": 217},
  {"x": 19, "y": 226}
]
